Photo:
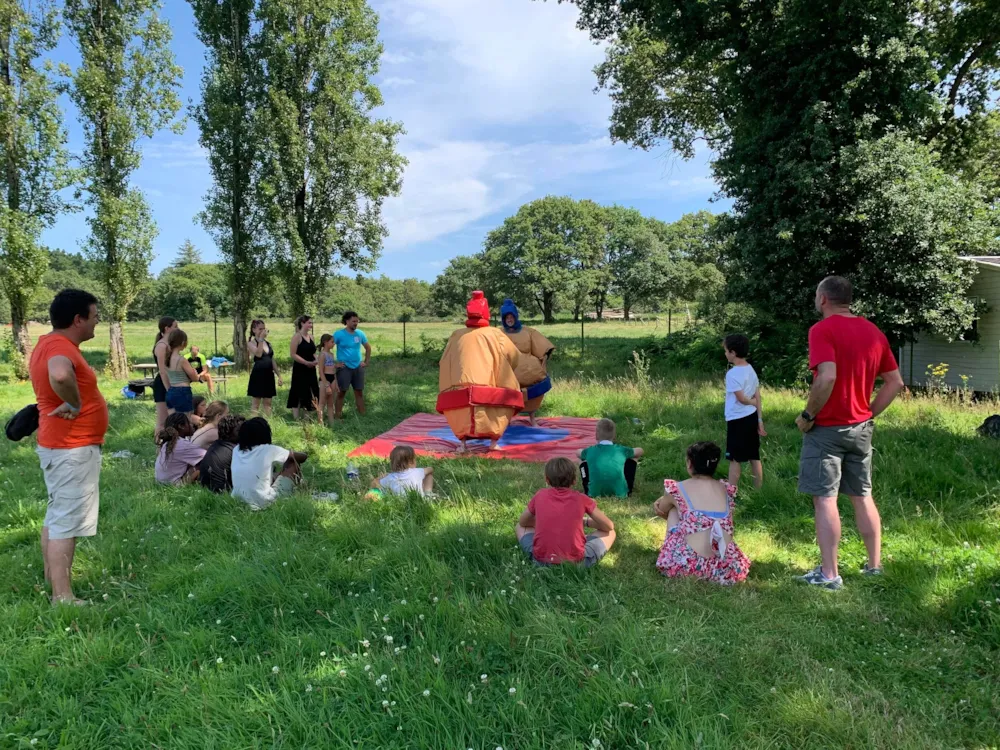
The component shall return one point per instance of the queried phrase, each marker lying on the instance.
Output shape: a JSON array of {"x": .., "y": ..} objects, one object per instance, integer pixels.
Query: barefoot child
[
  {"x": 550, "y": 529},
  {"x": 405, "y": 475},
  {"x": 608, "y": 470},
  {"x": 699, "y": 512},
  {"x": 744, "y": 418},
  {"x": 328, "y": 377}
]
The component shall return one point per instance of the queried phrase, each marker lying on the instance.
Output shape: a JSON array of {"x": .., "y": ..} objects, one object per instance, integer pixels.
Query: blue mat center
[{"x": 516, "y": 434}]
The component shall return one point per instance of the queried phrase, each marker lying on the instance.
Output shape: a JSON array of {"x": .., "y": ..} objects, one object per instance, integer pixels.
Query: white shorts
[{"x": 72, "y": 478}]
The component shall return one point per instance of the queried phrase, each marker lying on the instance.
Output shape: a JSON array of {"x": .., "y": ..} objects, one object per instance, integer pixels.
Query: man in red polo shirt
[
  {"x": 846, "y": 355},
  {"x": 72, "y": 421}
]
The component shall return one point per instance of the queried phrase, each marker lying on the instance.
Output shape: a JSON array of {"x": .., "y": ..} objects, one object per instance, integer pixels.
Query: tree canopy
[{"x": 791, "y": 95}]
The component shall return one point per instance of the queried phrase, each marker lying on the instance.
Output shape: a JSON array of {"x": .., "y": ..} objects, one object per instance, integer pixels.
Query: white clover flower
[
  {"x": 218, "y": 622},
  {"x": 309, "y": 688},
  {"x": 284, "y": 565},
  {"x": 595, "y": 667},
  {"x": 512, "y": 690},
  {"x": 365, "y": 642},
  {"x": 436, "y": 600},
  {"x": 343, "y": 673},
  {"x": 402, "y": 601},
  {"x": 368, "y": 667},
  {"x": 219, "y": 660},
  {"x": 385, "y": 704},
  {"x": 427, "y": 693},
  {"x": 190, "y": 596},
  {"x": 437, "y": 659},
  {"x": 483, "y": 677},
  {"x": 275, "y": 670},
  {"x": 396, "y": 650},
  {"x": 385, "y": 618},
  {"x": 105, "y": 597},
  {"x": 388, "y": 638},
  {"x": 322, "y": 653}
]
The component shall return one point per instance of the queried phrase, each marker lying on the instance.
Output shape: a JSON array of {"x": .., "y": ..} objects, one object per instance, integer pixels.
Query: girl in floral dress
[{"x": 699, "y": 513}]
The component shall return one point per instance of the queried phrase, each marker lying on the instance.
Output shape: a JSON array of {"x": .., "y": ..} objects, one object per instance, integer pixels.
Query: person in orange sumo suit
[{"x": 478, "y": 390}]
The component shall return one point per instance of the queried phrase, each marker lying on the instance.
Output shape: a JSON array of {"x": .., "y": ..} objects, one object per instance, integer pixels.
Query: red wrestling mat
[{"x": 429, "y": 435}]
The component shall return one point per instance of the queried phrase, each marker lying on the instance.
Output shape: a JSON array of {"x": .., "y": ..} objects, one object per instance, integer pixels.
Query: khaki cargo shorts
[
  {"x": 837, "y": 460},
  {"x": 72, "y": 478}
]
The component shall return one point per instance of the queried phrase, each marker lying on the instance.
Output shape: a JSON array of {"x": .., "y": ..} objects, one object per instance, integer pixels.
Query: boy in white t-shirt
[
  {"x": 253, "y": 466},
  {"x": 405, "y": 475},
  {"x": 744, "y": 418}
]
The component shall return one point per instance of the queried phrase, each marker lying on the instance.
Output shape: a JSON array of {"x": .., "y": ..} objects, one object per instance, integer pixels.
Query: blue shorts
[
  {"x": 594, "y": 549},
  {"x": 180, "y": 398}
]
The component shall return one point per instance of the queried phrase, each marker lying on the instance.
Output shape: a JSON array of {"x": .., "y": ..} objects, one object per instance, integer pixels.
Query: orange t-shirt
[{"x": 92, "y": 422}]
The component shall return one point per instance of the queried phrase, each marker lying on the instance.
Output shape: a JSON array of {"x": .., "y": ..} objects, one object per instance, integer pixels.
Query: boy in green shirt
[{"x": 608, "y": 470}]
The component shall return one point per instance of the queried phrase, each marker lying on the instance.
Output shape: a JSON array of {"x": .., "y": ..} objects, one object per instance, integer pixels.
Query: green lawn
[{"x": 322, "y": 625}]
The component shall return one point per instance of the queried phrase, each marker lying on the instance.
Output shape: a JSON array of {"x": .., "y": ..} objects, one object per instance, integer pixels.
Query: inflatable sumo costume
[
  {"x": 478, "y": 390},
  {"x": 535, "y": 349}
]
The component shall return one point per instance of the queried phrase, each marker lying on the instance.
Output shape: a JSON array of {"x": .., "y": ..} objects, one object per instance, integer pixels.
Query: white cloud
[
  {"x": 395, "y": 58},
  {"x": 396, "y": 82},
  {"x": 453, "y": 184},
  {"x": 176, "y": 154},
  {"x": 492, "y": 62}
]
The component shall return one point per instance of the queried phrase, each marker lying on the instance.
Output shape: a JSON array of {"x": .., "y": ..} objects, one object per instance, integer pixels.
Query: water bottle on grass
[{"x": 352, "y": 472}]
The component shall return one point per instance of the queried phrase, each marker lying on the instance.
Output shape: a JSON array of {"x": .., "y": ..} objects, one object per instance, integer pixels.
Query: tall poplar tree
[
  {"x": 125, "y": 88},
  {"x": 329, "y": 164},
  {"x": 229, "y": 119},
  {"x": 32, "y": 153}
]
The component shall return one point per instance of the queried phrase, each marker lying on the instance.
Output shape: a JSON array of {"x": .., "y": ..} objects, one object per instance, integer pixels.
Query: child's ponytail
[{"x": 170, "y": 433}]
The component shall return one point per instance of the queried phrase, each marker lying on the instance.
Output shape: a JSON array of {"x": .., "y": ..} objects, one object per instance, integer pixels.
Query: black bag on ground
[
  {"x": 991, "y": 427},
  {"x": 22, "y": 424}
]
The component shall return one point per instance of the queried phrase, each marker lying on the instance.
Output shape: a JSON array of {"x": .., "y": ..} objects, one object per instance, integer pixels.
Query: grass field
[{"x": 405, "y": 624}]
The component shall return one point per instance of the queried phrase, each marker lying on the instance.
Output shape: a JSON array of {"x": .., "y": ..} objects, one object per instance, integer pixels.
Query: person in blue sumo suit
[{"x": 531, "y": 371}]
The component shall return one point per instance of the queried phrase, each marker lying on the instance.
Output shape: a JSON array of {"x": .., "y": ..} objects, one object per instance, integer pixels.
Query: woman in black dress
[
  {"x": 304, "y": 391},
  {"x": 264, "y": 369}
]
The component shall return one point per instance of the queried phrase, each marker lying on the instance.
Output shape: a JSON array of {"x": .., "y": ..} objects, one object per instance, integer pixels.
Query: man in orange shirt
[{"x": 73, "y": 418}]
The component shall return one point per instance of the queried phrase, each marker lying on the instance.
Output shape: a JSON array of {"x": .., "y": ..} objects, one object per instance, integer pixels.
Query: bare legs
[
  {"x": 57, "y": 558},
  {"x": 428, "y": 485},
  {"x": 828, "y": 530},
  {"x": 736, "y": 470},
  {"x": 161, "y": 417},
  {"x": 869, "y": 525}
]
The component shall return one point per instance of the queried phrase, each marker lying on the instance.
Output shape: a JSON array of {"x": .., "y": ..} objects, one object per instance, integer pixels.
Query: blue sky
[{"x": 497, "y": 98}]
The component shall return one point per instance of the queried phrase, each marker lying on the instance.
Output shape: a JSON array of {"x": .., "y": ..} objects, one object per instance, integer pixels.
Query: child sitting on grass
[
  {"x": 550, "y": 530},
  {"x": 253, "y": 466},
  {"x": 699, "y": 513},
  {"x": 405, "y": 475},
  {"x": 216, "y": 468},
  {"x": 178, "y": 459},
  {"x": 607, "y": 469}
]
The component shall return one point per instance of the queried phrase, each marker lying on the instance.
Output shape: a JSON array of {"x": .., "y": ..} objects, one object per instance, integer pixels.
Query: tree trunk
[
  {"x": 241, "y": 355},
  {"x": 599, "y": 305},
  {"x": 548, "y": 302},
  {"x": 118, "y": 364},
  {"x": 626, "y": 308},
  {"x": 19, "y": 326}
]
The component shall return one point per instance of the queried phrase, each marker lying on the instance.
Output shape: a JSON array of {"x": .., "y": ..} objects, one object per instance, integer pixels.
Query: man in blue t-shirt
[{"x": 350, "y": 367}]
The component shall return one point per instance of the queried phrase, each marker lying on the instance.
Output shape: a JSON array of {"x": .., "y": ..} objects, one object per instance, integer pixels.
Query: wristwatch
[{"x": 807, "y": 416}]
